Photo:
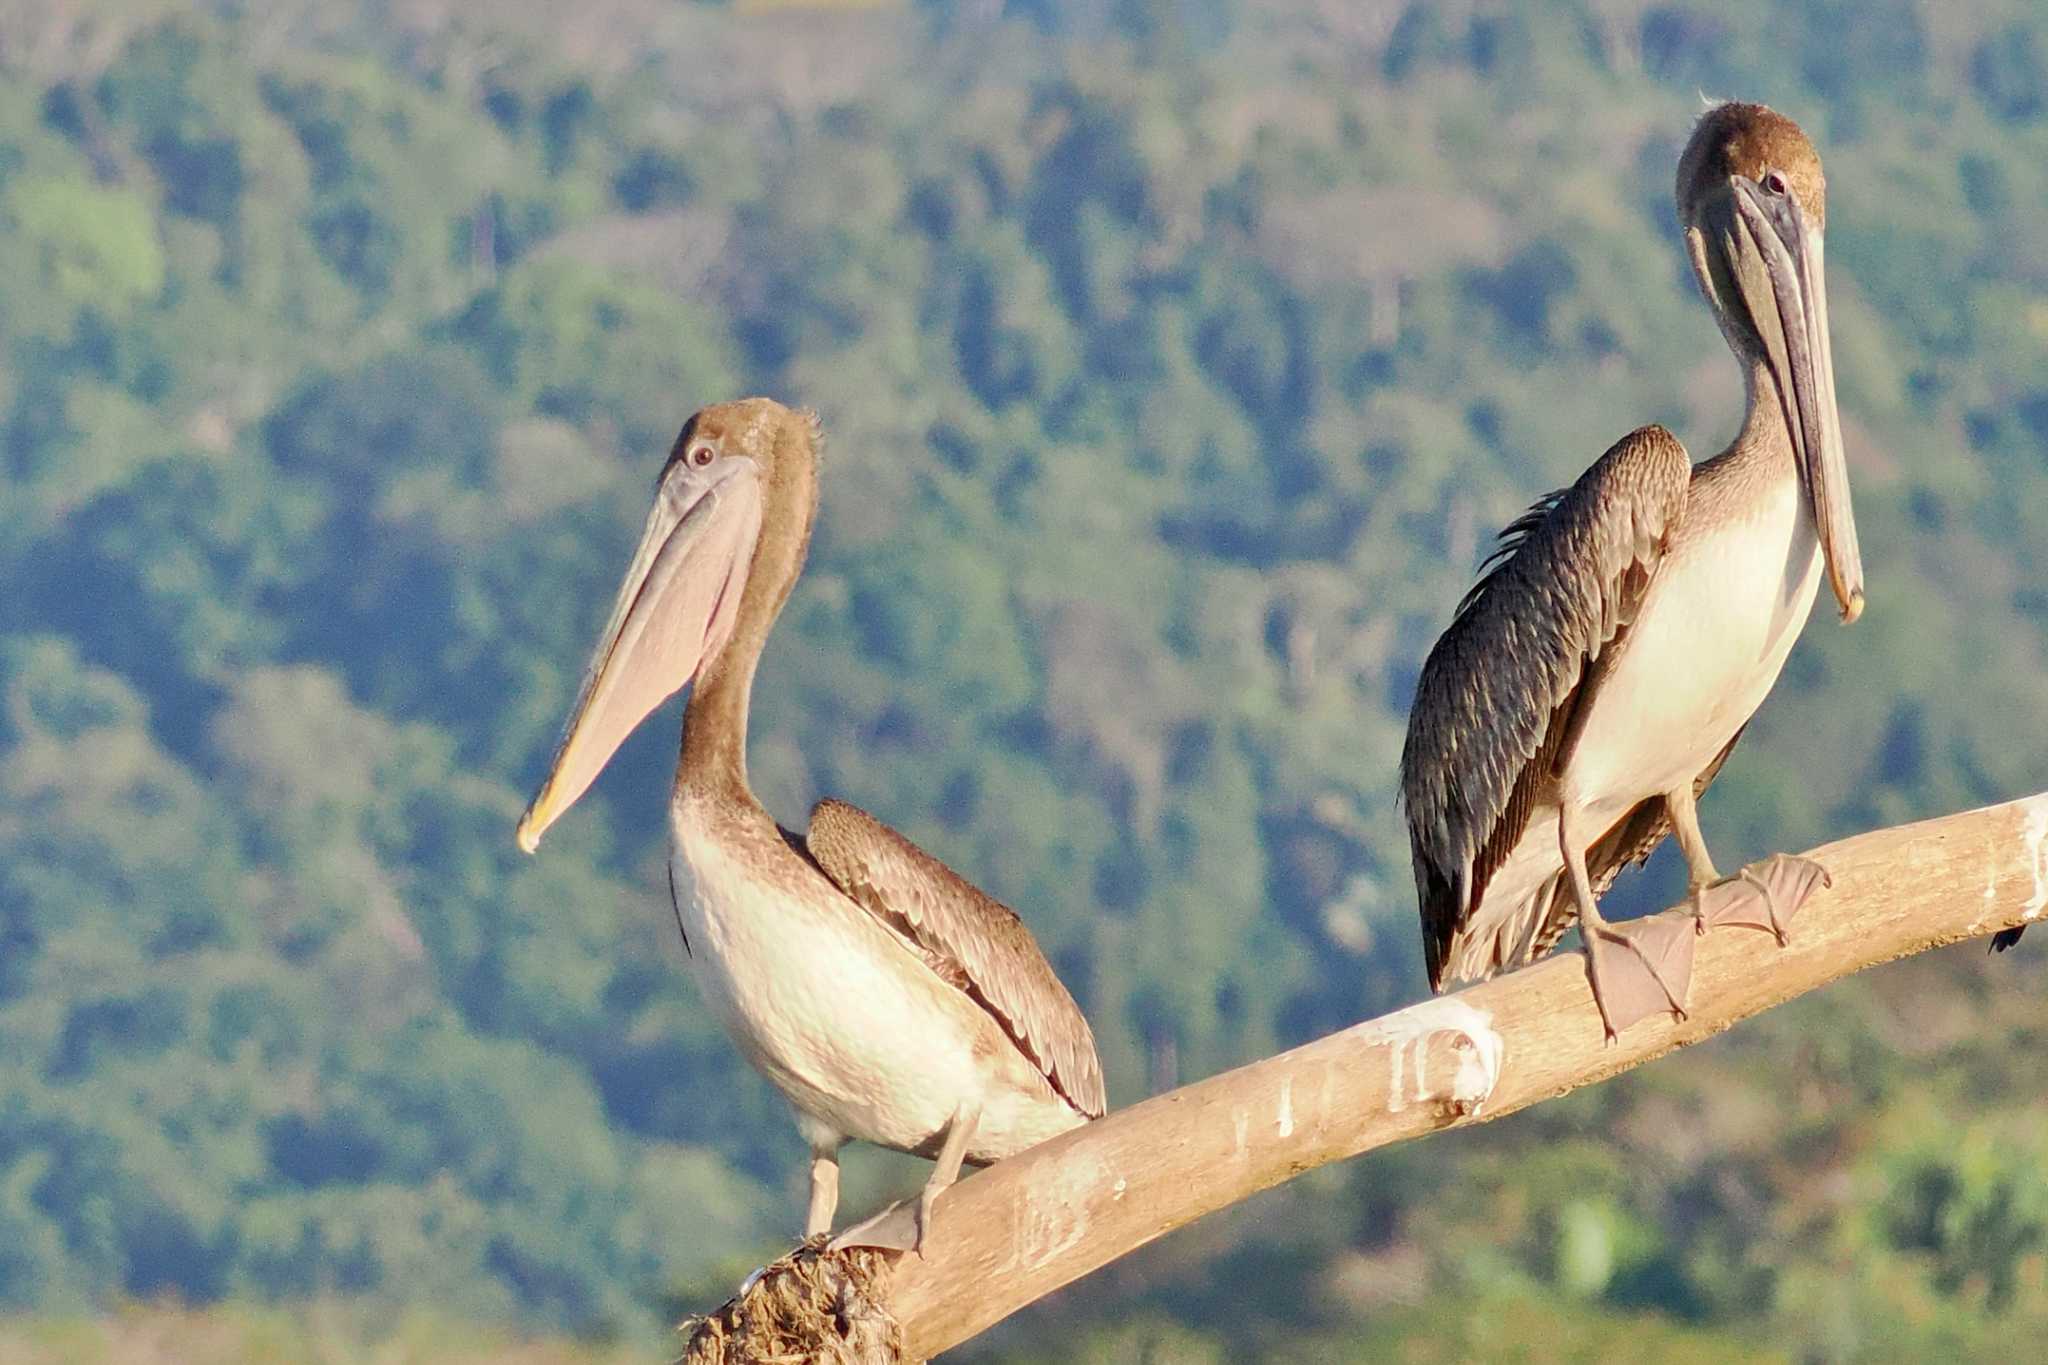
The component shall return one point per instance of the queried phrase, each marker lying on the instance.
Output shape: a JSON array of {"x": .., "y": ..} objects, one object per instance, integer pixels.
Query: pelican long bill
[
  {"x": 675, "y": 609},
  {"x": 1777, "y": 254}
]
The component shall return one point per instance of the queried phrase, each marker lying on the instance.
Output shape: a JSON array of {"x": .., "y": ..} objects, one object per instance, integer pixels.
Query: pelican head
[
  {"x": 732, "y": 515},
  {"x": 1753, "y": 202}
]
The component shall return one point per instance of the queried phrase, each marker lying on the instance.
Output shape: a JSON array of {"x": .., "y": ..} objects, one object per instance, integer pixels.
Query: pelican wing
[
  {"x": 1494, "y": 706},
  {"x": 968, "y": 938}
]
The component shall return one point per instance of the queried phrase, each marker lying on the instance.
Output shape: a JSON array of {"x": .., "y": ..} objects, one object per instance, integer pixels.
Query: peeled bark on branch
[{"x": 1023, "y": 1228}]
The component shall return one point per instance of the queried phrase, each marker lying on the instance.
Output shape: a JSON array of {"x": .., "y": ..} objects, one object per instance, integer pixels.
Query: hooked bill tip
[
  {"x": 1853, "y": 609},
  {"x": 527, "y": 836}
]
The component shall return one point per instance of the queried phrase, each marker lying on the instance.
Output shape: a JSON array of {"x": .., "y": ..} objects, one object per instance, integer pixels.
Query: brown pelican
[
  {"x": 885, "y": 997},
  {"x": 1626, "y": 628}
]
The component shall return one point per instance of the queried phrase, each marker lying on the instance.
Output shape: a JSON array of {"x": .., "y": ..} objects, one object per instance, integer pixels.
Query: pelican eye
[
  {"x": 1775, "y": 183},
  {"x": 701, "y": 456}
]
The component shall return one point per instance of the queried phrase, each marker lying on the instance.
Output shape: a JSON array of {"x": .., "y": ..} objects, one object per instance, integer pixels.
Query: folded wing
[{"x": 969, "y": 938}]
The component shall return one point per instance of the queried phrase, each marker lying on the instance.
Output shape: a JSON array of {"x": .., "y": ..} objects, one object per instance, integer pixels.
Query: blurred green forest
[{"x": 1178, "y": 359}]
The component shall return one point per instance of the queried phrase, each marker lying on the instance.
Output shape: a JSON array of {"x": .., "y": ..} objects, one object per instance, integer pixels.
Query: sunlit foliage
[{"x": 1177, "y": 359}]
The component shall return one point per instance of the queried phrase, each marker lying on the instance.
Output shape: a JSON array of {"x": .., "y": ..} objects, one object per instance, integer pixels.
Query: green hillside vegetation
[{"x": 1178, "y": 359}]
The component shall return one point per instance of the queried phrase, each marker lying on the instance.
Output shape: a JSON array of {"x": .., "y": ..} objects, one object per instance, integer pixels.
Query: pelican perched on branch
[
  {"x": 885, "y": 997},
  {"x": 1627, "y": 628}
]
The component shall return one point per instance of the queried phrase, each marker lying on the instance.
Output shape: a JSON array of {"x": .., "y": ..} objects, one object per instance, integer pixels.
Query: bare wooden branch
[{"x": 1023, "y": 1228}]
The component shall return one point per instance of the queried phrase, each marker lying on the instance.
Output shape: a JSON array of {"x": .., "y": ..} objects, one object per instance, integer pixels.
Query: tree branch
[{"x": 1026, "y": 1226}]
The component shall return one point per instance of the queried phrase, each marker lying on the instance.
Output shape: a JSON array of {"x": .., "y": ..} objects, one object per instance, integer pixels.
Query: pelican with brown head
[
  {"x": 1592, "y": 683},
  {"x": 886, "y": 997}
]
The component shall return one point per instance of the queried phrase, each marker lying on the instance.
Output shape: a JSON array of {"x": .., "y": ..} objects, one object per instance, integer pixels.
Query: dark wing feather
[
  {"x": 975, "y": 942},
  {"x": 1493, "y": 703}
]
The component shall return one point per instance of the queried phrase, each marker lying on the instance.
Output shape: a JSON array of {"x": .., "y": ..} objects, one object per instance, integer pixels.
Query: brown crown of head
[
  {"x": 1754, "y": 141},
  {"x": 783, "y": 441}
]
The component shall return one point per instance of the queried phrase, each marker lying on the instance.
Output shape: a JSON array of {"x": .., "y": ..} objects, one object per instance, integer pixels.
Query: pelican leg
[
  {"x": 1699, "y": 864},
  {"x": 902, "y": 1226},
  {"x": 824, "y": 1184},
  {"x": 947, "y": 1170},
  {"x": 1763, "y": 895},
  {"x": 1636, "y": 971}
]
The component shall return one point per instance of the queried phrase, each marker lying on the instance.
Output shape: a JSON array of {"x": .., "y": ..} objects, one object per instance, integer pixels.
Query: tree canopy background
[{"x": 1178, "y": 359}]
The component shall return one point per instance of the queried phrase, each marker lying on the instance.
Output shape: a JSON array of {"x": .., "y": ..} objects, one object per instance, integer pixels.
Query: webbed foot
[
  {"x": 900, "y": 1227},
  {"x": 1639, "y": 969},
  {"x": 1762, "y": 896}
]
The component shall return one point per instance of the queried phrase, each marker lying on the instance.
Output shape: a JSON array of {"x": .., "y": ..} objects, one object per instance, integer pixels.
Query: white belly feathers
[
  {"x": 1704, "y": 652},
  {"x": 858, "y": 1033}
]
